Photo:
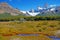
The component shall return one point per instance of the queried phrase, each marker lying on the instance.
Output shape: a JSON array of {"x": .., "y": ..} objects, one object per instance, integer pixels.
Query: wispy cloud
[
  {"x": 15, "y": 0},
  {"x": 53, "y": 5}
]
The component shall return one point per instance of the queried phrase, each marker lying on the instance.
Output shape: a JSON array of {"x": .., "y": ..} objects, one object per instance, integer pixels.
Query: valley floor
[{"x": 11, "y": 30}]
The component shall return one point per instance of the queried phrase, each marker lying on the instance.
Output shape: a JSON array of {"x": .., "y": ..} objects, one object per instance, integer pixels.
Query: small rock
[{"x": 57, "y": 33}]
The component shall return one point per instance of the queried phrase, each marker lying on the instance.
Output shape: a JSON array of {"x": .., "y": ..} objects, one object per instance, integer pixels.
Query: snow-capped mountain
[
  {"x": 33, "y": 13},
  {"x": 50, "y": 10}
]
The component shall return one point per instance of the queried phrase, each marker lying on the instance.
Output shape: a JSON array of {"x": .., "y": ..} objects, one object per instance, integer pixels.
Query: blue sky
[{"x": 30, "y": 4}]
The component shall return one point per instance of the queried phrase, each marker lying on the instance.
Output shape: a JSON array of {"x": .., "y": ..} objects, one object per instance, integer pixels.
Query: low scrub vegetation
[{"x": 14, "y": 28}]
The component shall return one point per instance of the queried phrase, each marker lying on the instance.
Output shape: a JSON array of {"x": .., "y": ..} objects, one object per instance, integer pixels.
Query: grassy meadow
[{"x": 9, "y": 30}]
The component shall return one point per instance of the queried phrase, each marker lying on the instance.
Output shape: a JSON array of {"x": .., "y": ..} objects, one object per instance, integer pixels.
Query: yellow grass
[{"x": 44, "y": 27}]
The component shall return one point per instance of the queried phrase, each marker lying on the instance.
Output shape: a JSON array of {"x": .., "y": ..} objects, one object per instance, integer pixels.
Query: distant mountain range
[{"x": 50, "y": 11}]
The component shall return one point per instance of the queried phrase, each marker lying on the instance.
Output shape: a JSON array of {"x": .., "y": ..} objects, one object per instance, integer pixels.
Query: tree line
[
  {"x": 8, "y": 17},
  {"x": 36, "y": 18}
]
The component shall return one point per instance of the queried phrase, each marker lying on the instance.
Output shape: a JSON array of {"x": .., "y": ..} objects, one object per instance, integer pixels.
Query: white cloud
[{"x": 52, "y": 5}]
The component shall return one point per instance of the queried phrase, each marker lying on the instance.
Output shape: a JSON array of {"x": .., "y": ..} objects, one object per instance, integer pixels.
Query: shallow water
[
  {"x": 54, "y": 37},
  {"x": 28, "y": 35}
]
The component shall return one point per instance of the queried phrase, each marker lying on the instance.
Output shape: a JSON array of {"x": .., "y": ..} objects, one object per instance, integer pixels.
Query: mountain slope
[{"x": 6, "y": 8}]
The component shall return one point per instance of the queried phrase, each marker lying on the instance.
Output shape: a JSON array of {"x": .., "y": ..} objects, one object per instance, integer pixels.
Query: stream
[{"x": 52, "y": 37}]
